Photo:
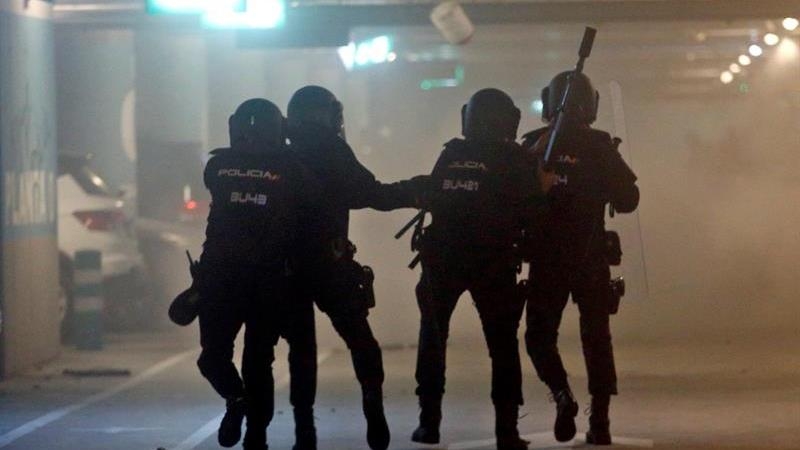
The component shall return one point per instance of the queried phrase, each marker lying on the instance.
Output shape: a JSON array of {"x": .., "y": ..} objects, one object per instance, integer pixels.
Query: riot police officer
[
  {"x": 327, "y": 273},
  {"x": 260, "y": 193},
  {"x": 569, "y": 253},
  {"x": 483, "y": 189}
]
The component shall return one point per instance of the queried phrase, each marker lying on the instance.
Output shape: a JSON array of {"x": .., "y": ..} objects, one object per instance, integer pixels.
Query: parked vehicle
[{"x": 94, "y": 215}]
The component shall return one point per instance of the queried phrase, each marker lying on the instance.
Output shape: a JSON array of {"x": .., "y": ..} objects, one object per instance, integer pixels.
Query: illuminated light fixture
[
  {"x": 755, "y": 50},
  {"x": 735, "y": 68},
  {"x": 745, "y": 60},
  {"x": 226, "y": 13},
  {"x": 790, "y": 23},
  {"x": 726, "y": 77},
  {"x": 379, "y": 50},
  {"x": 348, "y": 55},
  {"x": 788, "y": 51},
  {"x": 771, "y": 39},
  {"x": 537, "y": 106},
  {"x": 257, "y": 14},
  {"x": 178, "y": 6},
  {"x": 450, "y": 19},
  {"x": 373, "y": 51}
]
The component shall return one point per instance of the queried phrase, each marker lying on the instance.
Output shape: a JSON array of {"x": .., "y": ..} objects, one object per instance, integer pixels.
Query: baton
[{"x": 420, "y": 215}]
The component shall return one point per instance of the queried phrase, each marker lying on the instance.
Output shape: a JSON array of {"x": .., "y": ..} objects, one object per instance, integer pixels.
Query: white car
[{"x": 92, "y": 215}]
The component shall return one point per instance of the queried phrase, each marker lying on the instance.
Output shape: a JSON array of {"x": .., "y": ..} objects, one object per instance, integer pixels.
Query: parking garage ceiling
[
  {"x": 687, "y": 42},
  {"x": 415, "y": 12}
]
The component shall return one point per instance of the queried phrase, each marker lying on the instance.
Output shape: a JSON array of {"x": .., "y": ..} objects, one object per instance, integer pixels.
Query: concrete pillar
[
  {"x": 95, "y": 71},
  {"x": 234, "y": 76},
  {"x": 30, "y": 332},
  {"x": 171, "y": 139},
  {"x": 171, "y": 118}
]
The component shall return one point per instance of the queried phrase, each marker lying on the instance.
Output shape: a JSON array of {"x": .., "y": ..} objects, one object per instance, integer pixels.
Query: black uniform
[
  {"x": 483, "y": 195},
  {"x": 346, "y": 184},
  {"x": 259, "y": 197},
  {"x": 569, "y": 257}
]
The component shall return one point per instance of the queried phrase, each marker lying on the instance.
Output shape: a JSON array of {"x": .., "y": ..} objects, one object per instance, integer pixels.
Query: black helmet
[
  {"x": 317, "y": 105},
  {"x": 257, "y": 121},
  {"x": 584, "y": 98},
  {"x": 490, "y": 115}
]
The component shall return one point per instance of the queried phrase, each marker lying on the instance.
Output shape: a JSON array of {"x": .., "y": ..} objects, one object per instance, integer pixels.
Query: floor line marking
[
  {"x": 211, "y": 426},
  {"x": 546, "y": 438},
  {"x": 35, "y": 424}
]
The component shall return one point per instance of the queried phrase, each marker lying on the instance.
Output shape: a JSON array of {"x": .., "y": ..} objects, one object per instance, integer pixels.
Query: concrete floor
[{"x": 730, "y": 394}]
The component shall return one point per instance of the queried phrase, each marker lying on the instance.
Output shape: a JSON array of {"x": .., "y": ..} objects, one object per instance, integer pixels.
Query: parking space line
[
  {"x": 57, "y": 414},
  {"x": 211, "y": 426},
  {"x": 203, "y": 432},
  {"x": 546, "y": 440}
]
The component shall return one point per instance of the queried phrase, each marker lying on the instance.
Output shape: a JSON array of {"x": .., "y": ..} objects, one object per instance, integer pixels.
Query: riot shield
[{"x": 629, "y": 227}]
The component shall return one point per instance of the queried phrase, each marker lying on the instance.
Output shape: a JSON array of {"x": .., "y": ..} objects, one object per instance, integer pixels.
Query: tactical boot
[
  {"x": 566, "y": 410},
  {"x": 430, "y": 417},
  {"x": 305, "y": 433},
  {"x": 255, "y": 438},
  {"x": 506, "y": 428},
  {"x": 599, "y": 433},
  {"x": 378, "y": 436},
  {"x": 230, "y": 428}
]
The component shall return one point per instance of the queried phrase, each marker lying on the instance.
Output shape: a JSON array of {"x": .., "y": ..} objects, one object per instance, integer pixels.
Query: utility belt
[
  {"x": 466, "y": 257},
  {"x": 345, "y": 285},
  {"x": 611, "y": 254},
  {"x": 438, "y": 248},
  {"x": 185, "y": 307}
]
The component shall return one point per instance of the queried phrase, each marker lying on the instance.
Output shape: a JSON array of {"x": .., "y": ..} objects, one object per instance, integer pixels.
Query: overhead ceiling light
[
  {"x": 225, "y": 13},
  {"x": 771, "y": 39},
  {"x": 726, "y": 77},
  {"x": 755, "y": 50},
  {"x": 791, "y": 23},
  {"x": 261, "y": 14},
  {"x": 788, "y": 51},
  {"x": 735, "y": 68},
  {"x": 745, "y": 60}
]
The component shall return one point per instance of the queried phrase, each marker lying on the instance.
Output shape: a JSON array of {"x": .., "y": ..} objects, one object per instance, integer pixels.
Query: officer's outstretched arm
[
  {"x": 362, "y": 190},
  {"x": 356, "y": 186},
  {"x": 401, "y": 194}
]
